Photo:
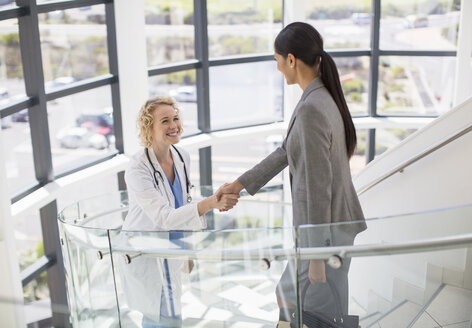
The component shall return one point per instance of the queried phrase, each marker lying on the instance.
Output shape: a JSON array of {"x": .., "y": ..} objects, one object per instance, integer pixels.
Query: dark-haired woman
[{"x": 320, "y": 140}]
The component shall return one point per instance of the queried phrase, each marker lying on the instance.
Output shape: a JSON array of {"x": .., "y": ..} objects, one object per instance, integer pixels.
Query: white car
[
  {"x": 79, "y": 137},
  {"x": 184, "y": 94},
  {"x": 59, "y": 82}
]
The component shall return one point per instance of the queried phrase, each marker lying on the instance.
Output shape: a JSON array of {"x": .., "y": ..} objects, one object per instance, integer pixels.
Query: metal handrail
[
  {"x": 124, "y": 208},
  {"x": 417, "y": 157},
  {"x": 425, "y": 245}
]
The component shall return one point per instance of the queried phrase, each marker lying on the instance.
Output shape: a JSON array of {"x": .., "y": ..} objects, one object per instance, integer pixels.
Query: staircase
[{"x": 431, "y": 289}]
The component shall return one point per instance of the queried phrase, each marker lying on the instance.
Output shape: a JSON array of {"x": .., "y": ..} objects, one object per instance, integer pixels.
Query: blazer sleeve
[
  {"x": 259, "y": 175},
  {"x": 314, "y": 135},
  {"x": 155, "y": 206}
]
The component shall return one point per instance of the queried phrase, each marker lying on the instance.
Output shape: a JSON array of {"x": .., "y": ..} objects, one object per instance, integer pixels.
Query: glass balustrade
[{"x": 251, "y": 265}]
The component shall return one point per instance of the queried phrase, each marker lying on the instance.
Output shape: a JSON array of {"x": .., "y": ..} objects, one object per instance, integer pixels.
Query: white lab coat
[{"x": 152, "y": 208}]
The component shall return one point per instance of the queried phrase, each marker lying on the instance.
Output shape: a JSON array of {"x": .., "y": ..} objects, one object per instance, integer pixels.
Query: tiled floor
[{"x": 452, "y": 306}]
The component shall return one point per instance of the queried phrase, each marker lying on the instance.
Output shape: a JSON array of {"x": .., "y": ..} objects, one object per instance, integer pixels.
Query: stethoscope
[{"x": 189, "y": 186}]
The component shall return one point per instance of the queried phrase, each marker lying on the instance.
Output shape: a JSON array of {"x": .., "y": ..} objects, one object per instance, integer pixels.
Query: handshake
[{"x": 226, "y": 197}]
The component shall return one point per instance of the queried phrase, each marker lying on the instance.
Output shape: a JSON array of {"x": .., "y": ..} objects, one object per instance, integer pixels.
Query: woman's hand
[
  {"x": 226, "y": 201},
  {"x": 229, "y": 188},
  {"x": 221, "y": 201},
  {"x": 317, "y": 271}
]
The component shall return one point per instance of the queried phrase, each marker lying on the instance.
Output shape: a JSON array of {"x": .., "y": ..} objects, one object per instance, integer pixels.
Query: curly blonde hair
[{"x": 145, "y": 119}]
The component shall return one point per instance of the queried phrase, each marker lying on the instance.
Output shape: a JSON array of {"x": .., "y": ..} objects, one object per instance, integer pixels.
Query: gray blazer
[{"x": 315, "y": 151}]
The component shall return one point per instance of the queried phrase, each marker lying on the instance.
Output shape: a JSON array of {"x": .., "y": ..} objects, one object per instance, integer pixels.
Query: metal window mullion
[
  {"x": 113, "y": 67},
  {"x": 206, "y": 180},
  {"x": 240, "y": 59},
  {"x": 412, "y": 53},
  {"x": 13, "y": 13},
  {"x": 55, "y": 274},
  {"x": 16, "y": 106},
  {"x": 30, "y": 47},
  {"x": 24, "y": 192},
  {"x": 34, "y": 270},
  {"x": 68, "y": 4},
  {"x": 81, "y": 86},
  {"x": 370, "y": 146},
  {"x": 172, "y": 68},
  {"x": 374, "y": 59},
  {"x": 203, "y": 74}
]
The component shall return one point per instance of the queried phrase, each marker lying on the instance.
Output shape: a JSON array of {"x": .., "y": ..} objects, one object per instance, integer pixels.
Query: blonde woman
[{"x": 158, "y": 185}]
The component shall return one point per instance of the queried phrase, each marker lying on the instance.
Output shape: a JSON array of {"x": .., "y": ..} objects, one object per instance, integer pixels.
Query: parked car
[
  {"x": 59, "y": 82},
  {"x": 5, "y": 122},
  {"x": 80, "y": 137},
  {"x": 3, "y": 93},
  {"x": 21, "y": 116},
  {"x": 361, "y": 18},
  {"x": 184, "y": 94},
  {"x": 416, "y": 21},
  {"x": 98, "y": 123}
]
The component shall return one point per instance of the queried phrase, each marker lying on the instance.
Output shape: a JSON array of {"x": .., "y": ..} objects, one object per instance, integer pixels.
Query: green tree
[{"x": 11, "y": 43}]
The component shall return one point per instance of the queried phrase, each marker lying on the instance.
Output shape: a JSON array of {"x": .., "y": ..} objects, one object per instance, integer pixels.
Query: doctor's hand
[{"x": 224, "y": 202}]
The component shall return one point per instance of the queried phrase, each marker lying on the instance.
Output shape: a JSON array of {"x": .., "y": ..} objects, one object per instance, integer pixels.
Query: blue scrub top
[{"x": 176, "y": 189}]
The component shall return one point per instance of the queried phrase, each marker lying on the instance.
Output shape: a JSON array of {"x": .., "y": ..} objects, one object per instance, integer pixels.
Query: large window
[
  {"x": 81, "y": 128},
  {"x": 181, "y": 86},
  {"x": 12, "y": 85},
  {"x": 245, "y": 94},
  {"x": 419, "y": 25},
  {"x": 387, "y": 138},
  {"x": 354, "y": 76},
  {"x": 358, "y": 160},
  {"x": 415, "y": 85},
  {"x": 17, "y": 152},
  {"x": 237, "y": 27},
  {"x": 57, "y": 129},
  {"x": 73, "y": 45},
  {"x": 343, "y": 24},
  {"x": 170, "y": 32},
  {"x": 231, "y": 159}
]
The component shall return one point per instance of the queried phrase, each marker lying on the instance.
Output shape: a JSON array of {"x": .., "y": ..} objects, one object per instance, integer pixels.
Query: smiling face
[
  {"x": 167, "y": 128},
  {"x": 286, "y": 67}
]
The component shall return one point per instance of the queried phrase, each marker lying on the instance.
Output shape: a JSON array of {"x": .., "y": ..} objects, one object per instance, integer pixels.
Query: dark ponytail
[
  {"x": 330, "y": 78},
  {"x": 305, "y": 43}
]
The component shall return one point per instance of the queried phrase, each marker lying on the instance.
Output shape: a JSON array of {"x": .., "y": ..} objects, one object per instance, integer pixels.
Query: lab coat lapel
[{"x": 167, "y": 190}]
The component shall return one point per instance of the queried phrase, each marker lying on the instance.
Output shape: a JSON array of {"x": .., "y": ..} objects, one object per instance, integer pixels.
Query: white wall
[
  {"x": 132, "y": 66},
  {"x": 463, "y": 84},
  {"x": 11, "y": 314}
]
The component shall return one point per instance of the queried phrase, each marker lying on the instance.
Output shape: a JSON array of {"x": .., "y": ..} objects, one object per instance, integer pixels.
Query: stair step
[
  {"x": 453, "y": 305},
  {"x": 401, "y": 317}
]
